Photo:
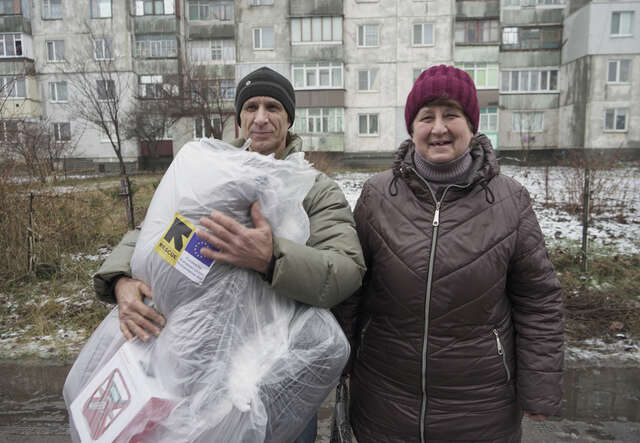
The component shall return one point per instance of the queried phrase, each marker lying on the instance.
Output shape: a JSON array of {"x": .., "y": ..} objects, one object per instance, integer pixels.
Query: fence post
[
  {"x": 30, "y": 240},
  {"x": 125, "y": 186},
  {"x": 586, "y": 200}
]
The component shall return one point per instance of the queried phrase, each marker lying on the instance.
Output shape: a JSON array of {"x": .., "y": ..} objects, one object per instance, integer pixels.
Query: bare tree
[
  {"x": 101, "y": 97},
  {"x": 157, "y": 108},
  {"x": 208, "y": 98},
  {"x": 39, "y": 143}
]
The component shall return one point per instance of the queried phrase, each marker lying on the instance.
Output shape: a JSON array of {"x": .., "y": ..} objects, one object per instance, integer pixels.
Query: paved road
[{"x": 555, "y": 431}]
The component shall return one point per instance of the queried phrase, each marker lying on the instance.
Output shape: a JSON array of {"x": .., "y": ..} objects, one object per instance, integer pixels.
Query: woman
[{"x": 458, "y": 327}]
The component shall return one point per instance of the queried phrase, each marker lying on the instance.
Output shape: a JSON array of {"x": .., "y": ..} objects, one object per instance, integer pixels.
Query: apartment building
[
  {"x": 600, "y": 86},
  {"x": 550, "y": 74}
]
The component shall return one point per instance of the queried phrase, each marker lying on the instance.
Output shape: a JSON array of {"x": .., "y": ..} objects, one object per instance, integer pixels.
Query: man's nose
[{"x": 261, "y": 115}]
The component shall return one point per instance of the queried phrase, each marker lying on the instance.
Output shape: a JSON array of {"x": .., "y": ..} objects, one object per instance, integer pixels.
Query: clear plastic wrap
[{"x": 244, "y": 364}]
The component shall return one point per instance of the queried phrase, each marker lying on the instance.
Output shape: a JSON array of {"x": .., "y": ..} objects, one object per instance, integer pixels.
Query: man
[{"x": 325, "y": 271}]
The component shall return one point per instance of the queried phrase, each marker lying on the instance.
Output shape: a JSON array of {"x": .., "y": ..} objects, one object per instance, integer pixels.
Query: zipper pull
[
  {"x": 500, "y": 350},
  {"x": 436, "y": 215}
]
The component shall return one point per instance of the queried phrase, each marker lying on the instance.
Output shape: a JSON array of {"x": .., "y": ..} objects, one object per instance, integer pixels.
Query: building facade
[{"x": 550, "y": 74}]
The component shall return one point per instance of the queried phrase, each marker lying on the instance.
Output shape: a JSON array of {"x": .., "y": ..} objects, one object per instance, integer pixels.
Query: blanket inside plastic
[{"x": 242, "y": 363}]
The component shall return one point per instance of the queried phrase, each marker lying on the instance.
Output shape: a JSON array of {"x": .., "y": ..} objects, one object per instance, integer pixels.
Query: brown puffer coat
[{"x": 492, "y": 346}]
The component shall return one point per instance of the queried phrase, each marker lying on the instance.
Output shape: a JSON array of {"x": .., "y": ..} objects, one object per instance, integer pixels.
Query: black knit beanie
[{"x": 266, "y": 82}]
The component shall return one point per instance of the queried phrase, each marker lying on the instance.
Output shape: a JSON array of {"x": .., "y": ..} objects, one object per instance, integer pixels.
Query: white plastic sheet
[{"x": 246, "y": 365}]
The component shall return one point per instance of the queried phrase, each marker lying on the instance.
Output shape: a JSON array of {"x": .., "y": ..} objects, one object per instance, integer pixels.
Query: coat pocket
[{"x": 502, "y": 354}]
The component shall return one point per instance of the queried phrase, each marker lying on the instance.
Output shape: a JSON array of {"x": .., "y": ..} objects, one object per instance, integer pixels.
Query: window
[
  {"x": 261, "y": 2},
  {"x": 532, "y": 2},
  {"x": 210, "y": 90},
  {"x": 531, "y": 38},
  {"x": 154, "y": 7},
  {"x": 150, "y": 86},
  {"x": 416, "y": 73},
  {"x": 322, "y": 75},
  {"x": 9, "y": 130},
  {"x": 100, "y": 8},
  {"x": 621, "y": 23},
  {"x": 477, "y": 31},
  {"x": 216, "y": 51},
  {"x": 619, "y": 71},
  {"x": 488, "y": 119},
  {"x": 10, "y": 45},
  {"x": 422, "y": 34},
  {"x": 9, "y": 7},
  {"x": 319, "y": 120},
  {"x": 368, "y": 35},
  {"x": 529, "y": 81},
  {"x": 13, "y": 87},
  {"x": 368, "y": 124},
  {"x": 484, "y": 75},
  {"x": 55, "y": 50},
  {"x": 227, "y": 89},
  {"x": 103, "y": 49},
  {"x": 367, "y": 79},
  {"x": 155, "y": 45},
  {"x": 316, "y": 30},
  {"x": 528, "y": 122},
  {"x": 62, "y": 132},
  {"x": 263, "y": 38},
  {"x": 201, "y": 130},
  {"x": 615, "y": 119},
  {"x": 51, "y": 9},
  {"x": 106, "y": 89},
  {"x": 210, "y": 10},
  {"x": 58, "y": 92}
]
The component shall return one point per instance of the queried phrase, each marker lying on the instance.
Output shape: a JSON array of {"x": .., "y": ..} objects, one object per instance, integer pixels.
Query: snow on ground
[{"x": 608, "y": 229}]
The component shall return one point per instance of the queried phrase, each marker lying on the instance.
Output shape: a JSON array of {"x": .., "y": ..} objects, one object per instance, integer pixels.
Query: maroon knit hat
[{"x": 443, "y": 82}]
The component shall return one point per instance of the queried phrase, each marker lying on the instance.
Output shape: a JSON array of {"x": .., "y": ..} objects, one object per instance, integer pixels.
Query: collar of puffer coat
[{"x": 484, "y": 167}]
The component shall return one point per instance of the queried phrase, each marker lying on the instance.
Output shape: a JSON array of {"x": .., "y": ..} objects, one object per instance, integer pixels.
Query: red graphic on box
[{"x": 108, "y": 401}]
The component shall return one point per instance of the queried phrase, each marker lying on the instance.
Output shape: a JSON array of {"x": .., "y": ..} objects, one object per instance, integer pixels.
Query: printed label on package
[{"x": 180, "y": 247}]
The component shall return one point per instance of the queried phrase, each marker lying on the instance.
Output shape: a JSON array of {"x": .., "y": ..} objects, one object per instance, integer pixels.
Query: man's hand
[
  {"x": 535, "y": 417},
  {"x": 136, "y": 318},
  {"x": 249, "y": 248}
]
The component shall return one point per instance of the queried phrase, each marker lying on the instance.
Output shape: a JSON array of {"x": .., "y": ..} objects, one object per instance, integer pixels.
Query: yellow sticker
[{"x": 175, "y": 239}]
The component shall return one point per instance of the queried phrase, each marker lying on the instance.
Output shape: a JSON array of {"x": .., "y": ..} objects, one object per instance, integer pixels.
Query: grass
[
  {"x": 603, "y": 302},
  {"x": 71, "y": 228}
]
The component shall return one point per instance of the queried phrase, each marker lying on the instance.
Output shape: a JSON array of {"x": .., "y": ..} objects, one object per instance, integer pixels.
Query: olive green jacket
[{"x": 325, "y": 271}]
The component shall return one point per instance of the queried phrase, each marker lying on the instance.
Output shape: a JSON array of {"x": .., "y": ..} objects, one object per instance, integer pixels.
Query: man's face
[{"x": 265, "y": 121}]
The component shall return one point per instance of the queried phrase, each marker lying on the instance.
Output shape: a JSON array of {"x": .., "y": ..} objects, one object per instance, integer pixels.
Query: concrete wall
[
  {"x": 589, "y": 30},
  {"x": 479, "y": 54},
  {"x": 395, "y": 58},
  {"x": 510, "y": 139}
]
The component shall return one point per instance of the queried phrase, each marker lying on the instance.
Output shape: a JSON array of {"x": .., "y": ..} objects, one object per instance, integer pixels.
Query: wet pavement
[{"x": 600, "y": 405}]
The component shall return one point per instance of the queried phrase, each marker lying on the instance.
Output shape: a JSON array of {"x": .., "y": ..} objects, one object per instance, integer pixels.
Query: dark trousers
[{"x": 310, "y": 432}]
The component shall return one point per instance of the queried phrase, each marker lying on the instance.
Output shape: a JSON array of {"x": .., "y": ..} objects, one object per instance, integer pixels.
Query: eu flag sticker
[{"x": 192, "y": 263}]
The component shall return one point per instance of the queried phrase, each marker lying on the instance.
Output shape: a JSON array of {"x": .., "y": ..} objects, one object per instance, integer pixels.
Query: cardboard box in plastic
[{"x": 120, "y": 403}]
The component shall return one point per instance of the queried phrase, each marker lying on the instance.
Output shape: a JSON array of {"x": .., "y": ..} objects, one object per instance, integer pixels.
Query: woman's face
[{"x": 441, "y": 132}]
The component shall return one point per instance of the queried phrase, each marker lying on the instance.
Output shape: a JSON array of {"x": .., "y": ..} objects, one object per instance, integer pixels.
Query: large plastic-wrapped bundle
[{"x": 243, "y": 364}]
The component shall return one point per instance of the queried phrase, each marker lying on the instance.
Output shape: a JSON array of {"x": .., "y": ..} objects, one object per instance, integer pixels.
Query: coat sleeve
[
  {"x": 537, "y": 309},
  {"x": 329, "y": 268},
  {"x": 117, "y": 264},
  {"x": 347, "y": 312}
]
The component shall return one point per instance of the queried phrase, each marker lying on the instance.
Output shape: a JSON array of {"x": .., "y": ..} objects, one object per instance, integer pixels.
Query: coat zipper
[
  {"x": 432, "y": 256},
  {"x": 502, "y": 354}
]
